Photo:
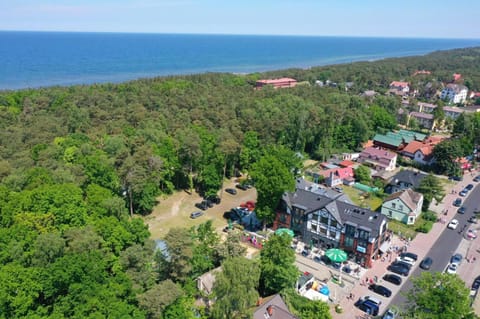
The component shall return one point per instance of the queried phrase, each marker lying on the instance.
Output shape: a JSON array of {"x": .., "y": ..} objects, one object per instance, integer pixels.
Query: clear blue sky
[{"x": 401, "y": 18}]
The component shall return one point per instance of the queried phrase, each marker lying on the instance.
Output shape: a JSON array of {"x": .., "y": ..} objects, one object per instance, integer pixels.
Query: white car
[
  {"x": 453, "y": 224},
  {"x": 452, "y": 269},
  {"x": 407, "y": 260}
]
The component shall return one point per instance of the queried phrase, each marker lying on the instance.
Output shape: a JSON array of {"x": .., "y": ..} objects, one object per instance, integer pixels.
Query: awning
[{"x": 385, "y": 247}]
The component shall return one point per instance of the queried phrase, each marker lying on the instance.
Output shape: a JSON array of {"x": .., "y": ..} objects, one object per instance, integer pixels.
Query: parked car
[
  {"x": 456, "y": 259},
  {"x": 394, "y": 279},
  {"x": 472, "y": 220},
  {"x": 241, "y": 186},
  {"x": 463, "y": 193},
  {"x": 215, "y": 199},
  {"x": 390, "y": 314},
  {"x": 381, "y": 290},
  {"x": 477, "y": 178},
  {"x": 368, "y": 306},
  {"x": 426, "y": 263},
  {"x": 456, "y": 178},
  {"x": 476, "y": 284},
  {"x": 399, "y": 269},
  {"x": 469, "y": 187},
  {"x": 403, "y": 264},
  {"x": 457, "y": 202},
  {"x": 203, "y": 205},
  {"x": 462, "y": 210},
  {"x": 231, "y": 191},
  {"x": 472, "y": 234},
  {"x": 409, "y": 255},
  {"x": 338, "y": 189},
  {"x": 196, "y": 214},
  {"x": 406, "y": 260},
  {"x": 453, "y": 224},
  {"x": 452, "y": 269}
]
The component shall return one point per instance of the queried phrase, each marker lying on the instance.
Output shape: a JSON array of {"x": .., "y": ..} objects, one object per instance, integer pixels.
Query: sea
[{"x": 40, "y": 59}]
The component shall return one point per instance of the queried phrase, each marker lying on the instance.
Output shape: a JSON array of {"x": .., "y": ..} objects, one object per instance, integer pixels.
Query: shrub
[
  {"x": 429, "y": 216},
  {"x": 425, "y": 227}
]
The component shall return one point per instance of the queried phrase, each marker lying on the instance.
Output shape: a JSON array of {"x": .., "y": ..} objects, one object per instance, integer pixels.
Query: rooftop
[
  {"x": 408, "y": 196},
  {"x": 399, "y": 84},
  {"x": 409, "y": 177},
  {"x": 378, "y": 153},
  {"x": 456, "y": 87},
  {"x": 422, "y": 115},
  {"x": 339, "y": 207},
  {"x": 276, "y": 81}
]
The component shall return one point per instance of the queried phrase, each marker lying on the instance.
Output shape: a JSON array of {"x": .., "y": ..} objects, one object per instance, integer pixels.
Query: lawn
[{"x": 372, "y": 201}]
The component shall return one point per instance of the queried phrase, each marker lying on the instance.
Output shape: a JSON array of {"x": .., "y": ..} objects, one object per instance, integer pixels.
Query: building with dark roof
[
  {"x": 328, "y": 219},
  {"x": 404, "y": 179}
]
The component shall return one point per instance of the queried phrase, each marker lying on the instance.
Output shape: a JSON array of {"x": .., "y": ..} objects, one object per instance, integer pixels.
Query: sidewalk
[{"x": 420, "y": 245}]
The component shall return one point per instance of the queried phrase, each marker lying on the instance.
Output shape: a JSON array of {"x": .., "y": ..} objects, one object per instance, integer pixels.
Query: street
[{"x": 450, "y": 241}]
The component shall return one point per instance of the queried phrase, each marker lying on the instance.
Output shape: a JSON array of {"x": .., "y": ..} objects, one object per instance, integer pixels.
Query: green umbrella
[
  {"x": 284, "y": 231},
  {"x": 336, "y": 255}
]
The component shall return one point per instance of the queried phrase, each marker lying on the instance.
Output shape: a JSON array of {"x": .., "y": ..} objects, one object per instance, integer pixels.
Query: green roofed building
[{"x": 396, "y": 141}]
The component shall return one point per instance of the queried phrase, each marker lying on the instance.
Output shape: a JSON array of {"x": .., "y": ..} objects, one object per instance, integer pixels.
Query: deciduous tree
[
  {"x": 235, "y": 288},
  {"x": 438, "y": 295},
  {"x": 277, "y": 264},
  {"x": 272, "y": 179}
]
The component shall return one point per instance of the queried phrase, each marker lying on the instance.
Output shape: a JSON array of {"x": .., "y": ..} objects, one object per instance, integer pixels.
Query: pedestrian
[{"x": 350, "y": 296}]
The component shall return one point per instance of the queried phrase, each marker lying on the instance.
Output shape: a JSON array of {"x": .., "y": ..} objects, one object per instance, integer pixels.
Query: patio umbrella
[
  {"x": 336, "y": 255},
  {"x": 281, "y": 231}
]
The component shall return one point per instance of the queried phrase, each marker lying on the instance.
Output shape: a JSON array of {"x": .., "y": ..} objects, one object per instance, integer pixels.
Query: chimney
[{"x": 270, "y": 310}]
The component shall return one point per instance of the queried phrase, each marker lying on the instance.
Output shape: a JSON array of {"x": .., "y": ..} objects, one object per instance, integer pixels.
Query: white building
[{"x": 454, "y": 93}]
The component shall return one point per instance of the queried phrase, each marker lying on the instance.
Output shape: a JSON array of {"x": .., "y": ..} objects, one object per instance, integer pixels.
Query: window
[
  {"x": 393, "y": 205},
  {"x": 324, "y": 220},
  {"x": 390, "y": 214},
  {"x": 348, "y": 242},
  {"x": 333, "y": 223},
  {"x": 363, "y": 234},
  {"x": 323, "y": 231},
  {"x": 401, "y": 207},
  {"x": 349, "y": 231},
  {"x": 283, "y": 218},
  {"x": 333, "y": 234}
]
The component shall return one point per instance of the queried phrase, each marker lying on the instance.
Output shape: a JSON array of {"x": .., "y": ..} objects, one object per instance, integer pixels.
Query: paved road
[{"x": 449, "y": 241}]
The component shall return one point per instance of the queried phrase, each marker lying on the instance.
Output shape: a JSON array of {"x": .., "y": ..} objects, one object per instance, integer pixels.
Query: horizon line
[{"x": 245, "y": 34}]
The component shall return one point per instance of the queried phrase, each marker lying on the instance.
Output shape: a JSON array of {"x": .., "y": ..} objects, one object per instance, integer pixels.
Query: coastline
[{"x": 66, "y": 59}]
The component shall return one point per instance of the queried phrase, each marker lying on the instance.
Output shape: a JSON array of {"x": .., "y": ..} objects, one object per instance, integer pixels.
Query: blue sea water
[{"x": 37, "y": 59}]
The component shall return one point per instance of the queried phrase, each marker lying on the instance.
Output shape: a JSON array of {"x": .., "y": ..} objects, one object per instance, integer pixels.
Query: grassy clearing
[
  {"x": 407, "y": 231},
  {"x": 371, "y": 201},
  {"x": 174, "y": 210}
]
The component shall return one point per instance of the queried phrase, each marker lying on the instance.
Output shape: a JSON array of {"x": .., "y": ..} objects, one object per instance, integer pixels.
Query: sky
[{"x": 373, "y": 18}]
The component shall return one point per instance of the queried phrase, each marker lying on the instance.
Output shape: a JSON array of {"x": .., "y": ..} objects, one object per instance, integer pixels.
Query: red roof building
[
  {"x": 421, "y": 152},
  {"x": 456, "y": 77},
  {"x": 346, "y": 163},
  {"x": 277, "y": 83}
]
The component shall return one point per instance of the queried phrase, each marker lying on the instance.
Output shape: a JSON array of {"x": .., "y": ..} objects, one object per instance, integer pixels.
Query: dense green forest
[{"x": 77, "y": 163}]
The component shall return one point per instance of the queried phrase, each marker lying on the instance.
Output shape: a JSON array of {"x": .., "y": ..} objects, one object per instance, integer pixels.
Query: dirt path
[{"x": 174, "y": 210}]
